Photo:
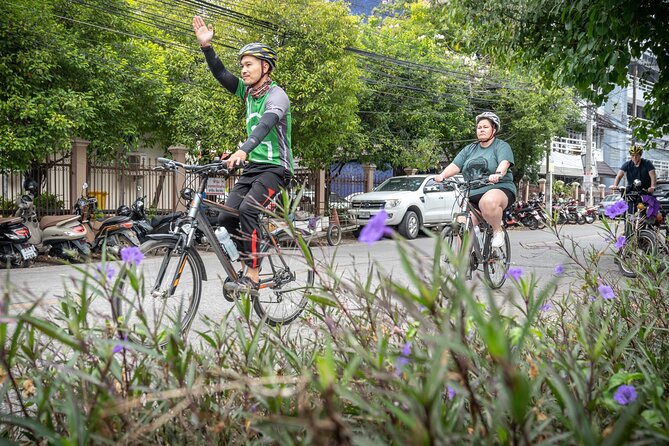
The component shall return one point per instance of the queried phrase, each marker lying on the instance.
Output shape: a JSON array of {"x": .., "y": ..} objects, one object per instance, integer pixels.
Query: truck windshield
[{"x": 401, "y": 184}]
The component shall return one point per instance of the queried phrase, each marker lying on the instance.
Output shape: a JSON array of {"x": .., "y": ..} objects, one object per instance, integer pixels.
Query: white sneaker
[{"x": 497, "y": 239}]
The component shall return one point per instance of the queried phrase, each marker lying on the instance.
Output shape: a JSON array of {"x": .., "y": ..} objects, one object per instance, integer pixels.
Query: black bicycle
[
  {"x": 172, "y": 271},
  {"x": 642, "y": 235},
  {"x": 495, "y": 261}
]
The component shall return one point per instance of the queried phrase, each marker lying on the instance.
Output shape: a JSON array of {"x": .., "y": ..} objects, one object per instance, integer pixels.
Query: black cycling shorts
[{"x": 474, "y": 199}]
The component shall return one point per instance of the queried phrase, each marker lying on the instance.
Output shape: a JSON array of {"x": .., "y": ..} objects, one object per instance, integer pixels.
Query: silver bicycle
[{"x": 171, "y": 274}]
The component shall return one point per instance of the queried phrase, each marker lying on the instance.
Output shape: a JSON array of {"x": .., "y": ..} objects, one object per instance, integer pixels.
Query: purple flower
[
  {"x": 312, "y": 223},
  {"x": 117, "y": 349},
  {"x": 375, "y": 229},
  {"x": 403, "y": 358},
  {"x": 546, "y": 307},
  {"x": 559, "y": 269},
  {"x": 514, "y": 273},
  {"x": 616, "y": 209},
  {"x": 107, "y": 271},
  {"x": 606, "y": 291},
  {"x": 625, "y": 395},
  {"x": 652, "y": 205},
  {"x": 131, "y": 255},
  {"x": 451, "y": 393},
  {"x": 620, "y": 242}
]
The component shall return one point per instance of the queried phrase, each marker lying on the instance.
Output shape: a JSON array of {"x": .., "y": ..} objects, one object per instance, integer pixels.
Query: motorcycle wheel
[
  {"x": 589, "y": 219},
  {"x": 530, "y": 222},
  {"x": 580, "y": 219}
]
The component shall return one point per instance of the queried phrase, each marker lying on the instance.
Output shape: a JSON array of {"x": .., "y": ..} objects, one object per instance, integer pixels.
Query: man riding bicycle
[
  {"x": 637, "y": 168},
  {"x": 491, "y": 158},
  {"x": 267, "y": 148}
]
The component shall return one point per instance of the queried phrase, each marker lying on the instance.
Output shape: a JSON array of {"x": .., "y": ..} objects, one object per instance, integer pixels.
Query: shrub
[{"x": 372, "y": 362}]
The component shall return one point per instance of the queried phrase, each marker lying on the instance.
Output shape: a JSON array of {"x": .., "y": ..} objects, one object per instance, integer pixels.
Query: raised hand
[{"x": 203, "y": 32}]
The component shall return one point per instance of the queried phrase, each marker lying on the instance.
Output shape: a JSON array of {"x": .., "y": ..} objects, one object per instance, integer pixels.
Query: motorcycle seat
[
  {"x": 10, "y": 221},
  {"x": 158, "y": 220},
  {"x": 55, "y": 220},
  {"x": 117, "y": 219}
]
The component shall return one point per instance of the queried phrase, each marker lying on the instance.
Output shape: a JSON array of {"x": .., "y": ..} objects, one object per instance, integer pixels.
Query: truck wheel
[{"x": 410, "y": 225}]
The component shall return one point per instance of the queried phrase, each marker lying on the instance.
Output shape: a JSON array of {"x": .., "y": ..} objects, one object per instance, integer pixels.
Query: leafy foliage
[
  {"x": 374, "y": 362},
  {"x": 418, "y": 113},
  {"x": 585, "y": 44}
]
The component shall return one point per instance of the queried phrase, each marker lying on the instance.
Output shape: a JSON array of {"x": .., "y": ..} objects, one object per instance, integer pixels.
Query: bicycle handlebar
[
  {"x": 471, "y": 184},
  {"x": 218, "y": 167}
]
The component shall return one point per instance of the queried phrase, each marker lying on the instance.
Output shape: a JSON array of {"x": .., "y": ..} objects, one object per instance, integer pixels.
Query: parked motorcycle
[
  {"x": 14, "y": 247},
  {"x": 591, "y": 214},
  {"x": 137, "y": 213},
  {"x": 113, "y": 232},
  {"x": 60, "y": 236}
]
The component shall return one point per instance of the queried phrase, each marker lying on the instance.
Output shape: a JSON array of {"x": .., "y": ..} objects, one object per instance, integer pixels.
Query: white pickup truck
[{"x": 411, "y": 202}]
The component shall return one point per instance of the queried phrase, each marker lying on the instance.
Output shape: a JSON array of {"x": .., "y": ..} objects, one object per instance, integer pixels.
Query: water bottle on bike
[{"x": 227, "y": 244}]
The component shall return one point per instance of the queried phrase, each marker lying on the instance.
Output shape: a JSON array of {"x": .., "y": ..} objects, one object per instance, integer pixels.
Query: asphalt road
[{"x": 533, "y": 251}]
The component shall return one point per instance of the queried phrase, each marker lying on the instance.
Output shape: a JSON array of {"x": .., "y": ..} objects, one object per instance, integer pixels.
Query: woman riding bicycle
[
  {"x": 267, "y": 149},
  {"x": 490, "y": 157}
]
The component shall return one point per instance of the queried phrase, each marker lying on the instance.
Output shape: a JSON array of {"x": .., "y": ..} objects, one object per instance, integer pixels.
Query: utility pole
[
  {"x": 549, "y": 180},
  {"x": 587, "y": 164}
]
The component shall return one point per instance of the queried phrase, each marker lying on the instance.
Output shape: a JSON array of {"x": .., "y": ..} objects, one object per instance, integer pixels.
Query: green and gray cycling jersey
[
  {"x": 268, "y": 120},
  {"x": 275, "y": 148},
  {"x": 475, "y": 162}
]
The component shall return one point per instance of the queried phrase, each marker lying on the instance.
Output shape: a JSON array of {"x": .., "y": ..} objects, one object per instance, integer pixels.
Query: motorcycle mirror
[{"x": 84, "y": 186}]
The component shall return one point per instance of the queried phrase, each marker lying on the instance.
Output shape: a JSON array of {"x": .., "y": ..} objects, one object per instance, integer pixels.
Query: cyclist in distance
[
  {"x": 637, "y": 168},
  {"x": 489, "y": 157},
  {"x": 267, "y": 148}
]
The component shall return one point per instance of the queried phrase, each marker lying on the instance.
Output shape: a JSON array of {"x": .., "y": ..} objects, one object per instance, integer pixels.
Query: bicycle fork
[{"x": 155, "y": 292}]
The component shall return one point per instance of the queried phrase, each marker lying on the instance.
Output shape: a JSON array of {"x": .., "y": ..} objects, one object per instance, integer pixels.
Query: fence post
[
  {"x": 542, "y": 187},
  {"x": 321, "y": 199},
  {"x": 368, "y": 176},
  {"x": 179, "y": 155},
  {"x": 78, "y": 168}
]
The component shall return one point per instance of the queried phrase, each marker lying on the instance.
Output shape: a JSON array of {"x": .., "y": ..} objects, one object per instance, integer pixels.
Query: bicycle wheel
[
  {"x": 496, "y": 261},
  {"x": 157, "y": 308},
  {"x": 285, "y": 280},
  {"x": 333, "y": 235},
  {"x": 636, "y": 248},
  {"x": 453, "y": 241}
]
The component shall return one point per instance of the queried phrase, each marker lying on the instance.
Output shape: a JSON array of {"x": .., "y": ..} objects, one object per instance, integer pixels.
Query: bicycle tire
[
  {"x": 453, "y": 242},
  {"x": 284, "y": 296},
  {"x": 496, "y": 261},
  {"x": 635, "y": 248},
  {"x": 151, "y": 316},
  {"x": 333, "y": 235}
]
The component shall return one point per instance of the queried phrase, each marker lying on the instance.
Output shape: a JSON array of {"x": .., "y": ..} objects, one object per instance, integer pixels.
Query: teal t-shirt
[
  {"x": 475, "y": 162},
  {"x": 275, "y": 148}
]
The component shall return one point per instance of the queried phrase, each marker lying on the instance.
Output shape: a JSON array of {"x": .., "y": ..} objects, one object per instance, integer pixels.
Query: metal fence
[
  {"x": 121, "y": 182},
  {"x": 53, "y": 178},
  {"x": 117, "y": 184}
]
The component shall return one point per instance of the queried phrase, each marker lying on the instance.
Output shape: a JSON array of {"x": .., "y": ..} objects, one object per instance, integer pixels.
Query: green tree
[
  {"x": 584, "y": 43},
  {"x": 423, "y": 110},
  {"x": 62, "y": 74}
]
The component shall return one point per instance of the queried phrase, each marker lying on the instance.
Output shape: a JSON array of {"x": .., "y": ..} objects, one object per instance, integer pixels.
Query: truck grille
[{"x": 368, "y": 204}]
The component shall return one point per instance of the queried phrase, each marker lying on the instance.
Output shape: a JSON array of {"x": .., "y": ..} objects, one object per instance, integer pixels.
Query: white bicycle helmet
[{"x": 492, "y": 118}]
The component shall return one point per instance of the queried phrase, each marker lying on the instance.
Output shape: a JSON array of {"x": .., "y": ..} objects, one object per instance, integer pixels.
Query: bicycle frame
[
  {"x": 187, "y": 236},
  {"x": 466, "y": 210}
]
